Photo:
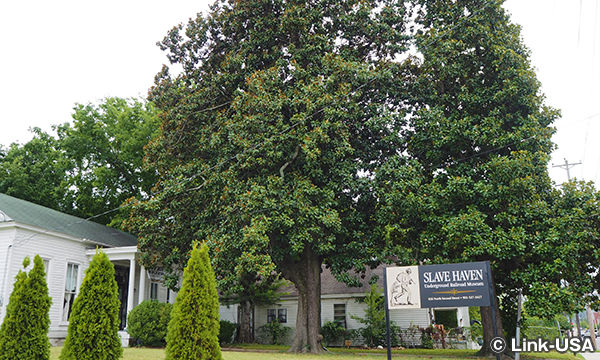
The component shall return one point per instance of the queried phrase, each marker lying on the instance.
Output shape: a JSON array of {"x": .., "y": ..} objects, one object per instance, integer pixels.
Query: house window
[
  {"x": 153, "y": 291},
  {"x": 282, "y": 315},
  {"x": 339, "y": 314},
  {"x": 277, "y": 314},
  {"x": 271, "y": 315},
  {"x": 70, "y": 290}
]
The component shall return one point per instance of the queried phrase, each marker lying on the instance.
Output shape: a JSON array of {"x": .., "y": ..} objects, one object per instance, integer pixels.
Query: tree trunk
[
  {"x": 306, "y": 275},
  {"x": 488, "y": 328},
  {"x": 245, "y": 335}
]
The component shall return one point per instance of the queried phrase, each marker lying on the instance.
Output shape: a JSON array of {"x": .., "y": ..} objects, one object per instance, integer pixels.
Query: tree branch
[{"x": 289, "y": 162}]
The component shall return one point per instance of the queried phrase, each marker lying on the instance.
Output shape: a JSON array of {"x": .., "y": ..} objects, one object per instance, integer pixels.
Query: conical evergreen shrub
[
  {"x": 10, "y": 324},
  {"x": 93, "y": 332},
  {"x": 194, "y": 327},
  {"x": 24, "y": 331}
]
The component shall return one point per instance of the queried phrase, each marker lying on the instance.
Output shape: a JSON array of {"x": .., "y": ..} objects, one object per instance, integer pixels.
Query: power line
[{"x": 580, "y": 120}]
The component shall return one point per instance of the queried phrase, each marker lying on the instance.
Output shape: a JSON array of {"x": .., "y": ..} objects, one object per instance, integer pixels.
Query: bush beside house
[
  {"x": 374, "y": 332},
  {"x": 333, "y": 333},
  {"x": 147, "y": 323},
  {"x": 24, "y": 331},
  {"x": 227, "y": 330},
  {"x": 194, "y": 327},
  {"x": 93, "y": 332},
  {"x": 274, "y": 333}
]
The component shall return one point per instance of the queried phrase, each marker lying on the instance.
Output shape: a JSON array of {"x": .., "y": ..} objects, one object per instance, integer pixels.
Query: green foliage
[
  {"x": 448, "y": 318},
  {"x": 93, "y": 165},
  {"x": 332, "y": 332},
  {"x": 93, "y": 331},
  {"x": 37, "y": 172},
  {"x": 293, "y": 135},
  {"x": 148, "y": 322},
  {"x": 106, "y": 145},
  {"x": 274, "y": 332},
  {"x": 24, "y": 331},
  {"x": 194, "y": 327},
  {"x": 226, "y": 331},
  {"x": 475, "y": 313},
  {"x": 427, "y": 338},
  {"x": 535, "y": 327},
  {"x": 280, "y": 109},
  {"x": 374, "y": 333},
  {"x": 473, "y": 183}
]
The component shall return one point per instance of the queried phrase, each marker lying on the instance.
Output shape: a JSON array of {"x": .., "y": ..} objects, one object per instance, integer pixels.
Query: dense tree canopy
[
  {"x": 280, "y": 110},
  {"x": 106, "y": 146},
  {"x": 92, "y": 167},
  {"x": 302, "y": 133},
  {"x": 473, "y": 183},
  {"x": 37, "y": 172}
]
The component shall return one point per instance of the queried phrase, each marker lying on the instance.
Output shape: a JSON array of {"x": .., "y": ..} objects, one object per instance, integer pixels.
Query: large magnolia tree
[
  {"x": 269, "y": 133},
  {"x": 300, "y": 133},
  {"x": 473, "y": 184}
]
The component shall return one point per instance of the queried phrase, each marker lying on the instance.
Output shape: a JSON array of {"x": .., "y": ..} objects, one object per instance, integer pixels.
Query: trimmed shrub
[
  {"x": 148, "y": 322},
  {"x": 226, "y": 332},
  {"x": 274, "y": 333},
  {"x": 24, "y": 331},
  {"x": 93, "y": 332},
  {"x": 194, "y": 326},
  {"x": 332, "y": 333}
]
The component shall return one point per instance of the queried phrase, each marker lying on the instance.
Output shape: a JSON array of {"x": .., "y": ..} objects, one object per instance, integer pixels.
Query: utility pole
[
  {"x": 567, "y": 166},
  {"x": 590, "y": 318}
]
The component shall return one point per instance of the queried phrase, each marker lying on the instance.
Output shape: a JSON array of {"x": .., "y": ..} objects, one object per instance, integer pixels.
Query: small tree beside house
[
  {"x": 93, "y": 332},
  {"x": 24, "y": 331},
  {"x": 194, "y": 327}
]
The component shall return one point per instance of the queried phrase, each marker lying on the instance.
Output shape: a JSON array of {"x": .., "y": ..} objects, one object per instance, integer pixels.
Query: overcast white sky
[{"x": 55, "y": 54}]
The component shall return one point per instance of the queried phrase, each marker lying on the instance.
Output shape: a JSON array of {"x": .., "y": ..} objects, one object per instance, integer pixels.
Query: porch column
[
  {"x": 131, "y": 287},
  {"x": 142, "y": 292}
]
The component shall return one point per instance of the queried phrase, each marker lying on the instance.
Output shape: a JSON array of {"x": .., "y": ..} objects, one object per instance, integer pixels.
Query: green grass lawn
[
  {"x": 337, "y": 354},
  {"x": 159, "y": 354}
]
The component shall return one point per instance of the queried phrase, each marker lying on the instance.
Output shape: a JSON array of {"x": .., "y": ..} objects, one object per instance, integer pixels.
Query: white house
[
  {"x": 67, "y": 245},
  {"x": 338, "y": 302}
]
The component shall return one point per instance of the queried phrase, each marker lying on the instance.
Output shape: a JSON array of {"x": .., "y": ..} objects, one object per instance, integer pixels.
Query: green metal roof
[{"x": 25, "y": 212}]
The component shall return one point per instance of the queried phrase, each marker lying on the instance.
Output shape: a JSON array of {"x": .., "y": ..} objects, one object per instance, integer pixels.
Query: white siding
[
  {"x": 229, "y": 313},
  {"x": 59, "y": 251},
  {"x": 462, "y": 314},
  {"x": 403, "y": 318},
  {"x": 260, "y": 314},
  {"x": 162, "y": 290},
  {"x": 6, "y": 239},
  {"x": 351, "y": 308},
  {"x": 410, "y": 317},
  {"x": 290, "y": 305}
]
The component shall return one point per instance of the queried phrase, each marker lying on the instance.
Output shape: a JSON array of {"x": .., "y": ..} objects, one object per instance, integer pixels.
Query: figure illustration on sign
[{"x": 401, "y": 288}]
